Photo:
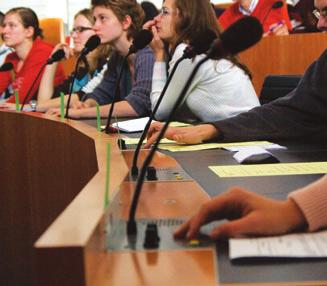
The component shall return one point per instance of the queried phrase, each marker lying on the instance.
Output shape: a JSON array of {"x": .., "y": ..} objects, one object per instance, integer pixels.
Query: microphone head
[
  {"x": 92, "y": 43},
  {"x": 277, "y": 5},
  {"x": 239, "y": 36},
  {"x": 6, "y": 67},
  {"x": 141, "y": 40},
  {"x": 56, "y": 57},
  {"x": 200, "y": 44}
]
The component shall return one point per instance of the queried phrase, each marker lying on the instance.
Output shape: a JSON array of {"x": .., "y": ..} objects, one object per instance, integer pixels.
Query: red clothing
[
  {"x": 22, "y": 80},
  {"x": 261, "y": 12}
]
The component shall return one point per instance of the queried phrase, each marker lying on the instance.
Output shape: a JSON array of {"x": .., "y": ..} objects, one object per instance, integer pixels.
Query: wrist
[
  {"x": 294, "y": 216},
  {"x": 208, "y": 132}
]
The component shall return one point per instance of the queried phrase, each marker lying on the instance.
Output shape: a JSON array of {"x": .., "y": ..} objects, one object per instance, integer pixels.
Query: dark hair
[
  {"x": 1, "y": 17},
  {"x": 123, "y": 8},
  {"x": 150, "y": 10},
  {"x": 28, "y": 18}
]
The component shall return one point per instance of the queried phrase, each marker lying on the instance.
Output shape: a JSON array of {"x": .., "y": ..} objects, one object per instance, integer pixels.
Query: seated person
[
  {"x": 302, "y": 16},
  {"x": 90, "y": 66},
  {"x": 21, "y": 32},
  {"x": 221, "y": 88},
  {"x": 4, "y": 50},
  {"x": 254, "y": 215},
  {"x": 116, "y": 23},
  {"x": 302, "y": 114},
  {"x": 274, "y": 21}
]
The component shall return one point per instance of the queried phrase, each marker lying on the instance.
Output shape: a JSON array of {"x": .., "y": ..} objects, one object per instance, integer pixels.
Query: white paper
[
  {"x": 266, "y": 147},
  {"x": 244, "y": 153},
  {"x": 302, "y": 245},
  {"x": 134, "y": 125}
]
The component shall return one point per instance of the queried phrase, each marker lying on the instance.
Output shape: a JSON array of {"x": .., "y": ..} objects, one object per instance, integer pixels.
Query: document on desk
[
  {"x": 280, "y": 169},
  {"x": 300, "y": 245},
  {"x": 207, "y": 146},
  {"x": 134, "y": 141}
]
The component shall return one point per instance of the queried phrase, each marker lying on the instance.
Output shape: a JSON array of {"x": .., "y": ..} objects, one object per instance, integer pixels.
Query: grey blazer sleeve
[{"x": 300, "y": 114}]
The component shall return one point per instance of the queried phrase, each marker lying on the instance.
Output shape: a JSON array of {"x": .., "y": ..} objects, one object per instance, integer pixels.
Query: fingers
[{"x": 149, "y": 24}]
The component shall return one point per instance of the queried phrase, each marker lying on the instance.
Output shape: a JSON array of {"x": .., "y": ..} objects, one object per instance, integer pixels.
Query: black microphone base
[
  {"x": 118, "y": 240},
  {"x": 164, "y": 175}
]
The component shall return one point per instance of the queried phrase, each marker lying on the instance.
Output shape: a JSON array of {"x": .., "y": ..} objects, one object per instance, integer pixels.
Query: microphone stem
[
  {"x": 152, "y": 115},
  {"x": 31, "y": 87},
  {"x": 131, "y": 225},
  {"x": 72, "y": 86},
  {"x": 115, "y": 98}
]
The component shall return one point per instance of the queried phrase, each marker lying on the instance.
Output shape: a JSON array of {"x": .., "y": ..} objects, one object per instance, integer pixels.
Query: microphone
[
  {"x": 238, "y": 37},
  {"x": 276, "y": 5},
  {"x": 199, "y": 45},
  {"x": 248, "y": 26},
  {"x": 92, "y": 43},
  {"x": 6, "y": 67},
  {"x": 141, "y": 40},
  {"x": 56, "y": 57}
]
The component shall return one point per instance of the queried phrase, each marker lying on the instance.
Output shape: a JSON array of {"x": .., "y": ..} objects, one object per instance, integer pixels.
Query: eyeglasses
[
  {"x": 165, "y": 12},
  {"x": 80, "y": 29},
  {"x": 320, "y": 13}
]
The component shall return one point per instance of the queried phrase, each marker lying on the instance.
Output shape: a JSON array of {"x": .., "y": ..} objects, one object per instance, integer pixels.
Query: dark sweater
[{"x": 300, "y": 114}]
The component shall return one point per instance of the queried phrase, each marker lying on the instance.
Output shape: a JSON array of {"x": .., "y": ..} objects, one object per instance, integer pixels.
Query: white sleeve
[{"x": 176, "y": 85}]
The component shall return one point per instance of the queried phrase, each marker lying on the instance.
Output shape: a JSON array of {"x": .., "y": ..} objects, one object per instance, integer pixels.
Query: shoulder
[
  {"x": 40, "y": 45},
  {"x": 146, "y": 52}
]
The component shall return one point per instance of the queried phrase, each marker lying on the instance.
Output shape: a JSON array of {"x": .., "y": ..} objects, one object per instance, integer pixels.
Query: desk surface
[{"x": 268, "y": 271}]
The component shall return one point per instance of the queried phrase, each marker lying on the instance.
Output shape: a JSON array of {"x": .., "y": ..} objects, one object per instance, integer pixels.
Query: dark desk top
[{"x": 263, "y": 270}]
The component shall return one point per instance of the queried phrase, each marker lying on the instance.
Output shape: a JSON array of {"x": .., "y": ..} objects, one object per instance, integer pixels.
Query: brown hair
[
  {"x": 99, "y": 56},
  {"x": 28, "y": 18},
  {"x": 195, "y": 18},
  {"x": 122, "y": 8}
]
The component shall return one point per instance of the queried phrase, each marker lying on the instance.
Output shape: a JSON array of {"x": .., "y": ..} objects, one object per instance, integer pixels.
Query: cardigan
[{"x": 220, "y": 89}]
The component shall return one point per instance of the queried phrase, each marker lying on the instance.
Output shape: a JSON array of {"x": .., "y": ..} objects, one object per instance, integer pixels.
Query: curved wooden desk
[{"x": 60, "y": 190}]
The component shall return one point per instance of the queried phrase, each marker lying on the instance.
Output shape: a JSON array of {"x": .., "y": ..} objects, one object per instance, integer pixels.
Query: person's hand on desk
[
  {"x": 8, "y": 105},
  {"x": 72, "y": 113},
  {"x": 249, "y": 214},
  {"x": 188, "y": 135}
]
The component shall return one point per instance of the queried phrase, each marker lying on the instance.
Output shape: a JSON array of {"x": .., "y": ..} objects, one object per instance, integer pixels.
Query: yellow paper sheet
[
  {"x": 207, "y": 146},
  {"x": 277, "y": 169},
  {"x": 178, "y": 124},
  {"x": 134, "y": 141}
]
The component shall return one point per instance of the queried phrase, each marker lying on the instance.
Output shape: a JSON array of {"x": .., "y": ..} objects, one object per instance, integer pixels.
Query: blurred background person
[
  {"x": 21, "y": 32},
  {"x": 90, "y": 66},
  {"x": 274, "y": 21}
]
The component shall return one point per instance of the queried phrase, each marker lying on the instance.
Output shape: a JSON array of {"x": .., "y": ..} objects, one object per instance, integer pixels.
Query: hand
[
  {"x": 72, "y": 113},
  {"x": 249, "y": 214},
  {"x": 189, "y": 135},
  {"x": 80, "y": 105},
  {"x": 277, "y": 29},
  {"x": 8, "y": 105},
  {"x": 156, "y": 44},
  {"x": 68, "y": 51}
]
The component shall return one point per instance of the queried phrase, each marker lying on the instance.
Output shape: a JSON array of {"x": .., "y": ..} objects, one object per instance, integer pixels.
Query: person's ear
[
  {"x": 127, "y": 22},
  {"x": 30, "y": 32}
]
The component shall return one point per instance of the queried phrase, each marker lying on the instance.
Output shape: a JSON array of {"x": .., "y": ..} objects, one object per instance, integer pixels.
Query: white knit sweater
[{"x": 219, "y": 89}]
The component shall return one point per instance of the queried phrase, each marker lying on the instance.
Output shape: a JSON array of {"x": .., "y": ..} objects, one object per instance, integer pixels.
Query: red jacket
[
  {"x": 22, "y": 80},
  {"x": 261, "y": 12}
]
